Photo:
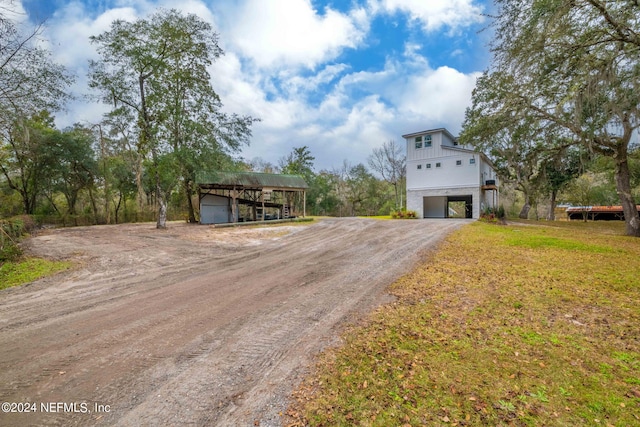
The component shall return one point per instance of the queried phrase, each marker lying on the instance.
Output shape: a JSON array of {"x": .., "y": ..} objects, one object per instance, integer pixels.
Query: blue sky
[{"x": 341, "y": 77}]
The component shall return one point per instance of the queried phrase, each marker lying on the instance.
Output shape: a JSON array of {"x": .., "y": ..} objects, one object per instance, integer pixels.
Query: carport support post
[{"x": 234, "y": 197}]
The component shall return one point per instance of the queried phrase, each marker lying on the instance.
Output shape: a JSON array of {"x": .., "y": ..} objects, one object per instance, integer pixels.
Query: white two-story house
[{"x": 446, "y": 180}]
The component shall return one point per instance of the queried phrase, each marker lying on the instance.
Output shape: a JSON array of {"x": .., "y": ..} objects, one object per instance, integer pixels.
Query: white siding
[
  {"x": 434, "y": 151},
  {"x": 487, "y": 172},
  {"x": 429, "y": 187},
  {"x": 446, "y": 140},
  {"x": 447, "y": 175}
]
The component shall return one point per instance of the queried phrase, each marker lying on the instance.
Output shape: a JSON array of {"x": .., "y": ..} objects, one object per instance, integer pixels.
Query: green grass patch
[
  {"x": 25, "y": 271},
  {"x": 525, "y": 325},
  {"x": 555, "y": 242}
]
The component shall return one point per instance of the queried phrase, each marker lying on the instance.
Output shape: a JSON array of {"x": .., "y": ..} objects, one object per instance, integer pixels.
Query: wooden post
[
  {"x": 234, "y": 197},
  {"x": 304, "y": 203}
]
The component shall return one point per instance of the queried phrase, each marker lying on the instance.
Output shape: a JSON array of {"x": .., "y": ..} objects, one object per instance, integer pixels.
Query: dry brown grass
[{"x": 505, "y": 325}]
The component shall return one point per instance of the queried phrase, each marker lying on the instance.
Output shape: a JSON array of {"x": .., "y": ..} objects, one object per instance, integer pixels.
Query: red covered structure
[{"x": 597, "y": 213}]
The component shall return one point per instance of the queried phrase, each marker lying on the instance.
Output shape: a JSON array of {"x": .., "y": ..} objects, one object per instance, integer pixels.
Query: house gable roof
[{"x": 425, "y": 132}]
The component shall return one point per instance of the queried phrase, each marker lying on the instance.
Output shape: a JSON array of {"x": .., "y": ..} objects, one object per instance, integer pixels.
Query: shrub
[
  {"x": 403, "y": 214},
  {"x": 11, "y": 230},
  {"x": 493, "y": 214}
]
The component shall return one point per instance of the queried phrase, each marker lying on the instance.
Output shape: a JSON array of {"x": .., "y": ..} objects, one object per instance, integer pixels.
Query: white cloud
[
  {"x": 403, "y": 97},
  {"x": 14, "y": 11},
  {"x": 286, "y": 33},
  {"x": 68, "y": 33},
  {"x": 298, "y": 84},
  {"x": 280, "y": 66},
  {"x": 437, "y": 98},
  {"x": 436, "y": 14}
]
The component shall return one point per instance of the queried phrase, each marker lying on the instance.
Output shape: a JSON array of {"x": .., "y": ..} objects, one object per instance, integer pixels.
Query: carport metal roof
[{"x": 250, "y": 181}]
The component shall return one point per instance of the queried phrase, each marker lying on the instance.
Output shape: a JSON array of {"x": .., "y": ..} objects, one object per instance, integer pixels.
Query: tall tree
[
  {"x": 30, "y": 83},
  {"x": 73, "y": 167},
  {"x": 298, "y": 162},
  {"x": 154, "y": 73},
  {"x": 559, "y": 170},
  {"x": 573, "y": 67},
  {"x": 25, "y": 157},
  {"x": 199, "y": 134},
  {"x": 390, "y": 163},
  {"x": 131, "y": 55},
  {"x": 511, "y": 141}
]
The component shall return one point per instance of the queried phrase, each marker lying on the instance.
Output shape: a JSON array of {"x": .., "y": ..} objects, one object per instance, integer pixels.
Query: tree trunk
[
  {"x": 395, "y": 189},
  {"x": 140, "y": 194},
  {"x": 162, "y": 212},
  {"x": 94, "y": 206},
  {"x": 552, "y": 206},
  {"x": 117, "y": 208},
  {"x": 524, "y": 212},
  {"x": 623, "y": 188},
  {"x": 192, "y": 214},
  {"x": 26, "y": 203},
  {"x": 162, "y": 204},
  {"x": 105, "y": 173}
]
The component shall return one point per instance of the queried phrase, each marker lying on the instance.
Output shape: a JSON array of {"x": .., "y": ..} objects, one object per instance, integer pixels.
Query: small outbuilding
[
  {"x": 597, "y": 213},
  {"x": 229, "y": 197}
]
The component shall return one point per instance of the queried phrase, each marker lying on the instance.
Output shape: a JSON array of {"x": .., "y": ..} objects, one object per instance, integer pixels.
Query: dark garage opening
[{"x": 460, "y": 207}]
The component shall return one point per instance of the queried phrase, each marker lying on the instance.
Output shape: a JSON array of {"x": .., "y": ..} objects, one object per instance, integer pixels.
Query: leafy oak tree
[
  {"x": 197, "y": 131},
  {"x": 571, "y": 68},
  {"x": 154, "y": 74}
]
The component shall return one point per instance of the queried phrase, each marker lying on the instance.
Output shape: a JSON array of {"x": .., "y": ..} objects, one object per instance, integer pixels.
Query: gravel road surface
[{"x": 193, "y": 325}]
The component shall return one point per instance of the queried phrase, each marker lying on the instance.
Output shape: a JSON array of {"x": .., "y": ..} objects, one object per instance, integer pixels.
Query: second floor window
[
  {"x": 418, "y": 142},
  {"x": 427, "y": 141}
]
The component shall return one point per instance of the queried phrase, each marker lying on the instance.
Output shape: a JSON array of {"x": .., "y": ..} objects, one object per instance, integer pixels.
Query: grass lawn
[
  {"x": 28, "y": 270},
  {"x": 534, "y": 324}
]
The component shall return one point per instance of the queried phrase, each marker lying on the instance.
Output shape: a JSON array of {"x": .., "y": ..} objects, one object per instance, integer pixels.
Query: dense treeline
[
  {"x": 164, "y": 124},
  {"x": 350, "y": 189},
  {"x": 557, "y": 112},
  {"x": 79, "y": 176}
]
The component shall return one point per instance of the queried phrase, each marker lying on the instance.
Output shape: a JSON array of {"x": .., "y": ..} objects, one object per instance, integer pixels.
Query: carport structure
[{"x": 222, "y": 193}]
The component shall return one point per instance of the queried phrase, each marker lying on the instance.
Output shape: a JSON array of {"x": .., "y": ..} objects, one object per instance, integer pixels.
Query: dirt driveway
[{"x": 190, "y": 325}]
